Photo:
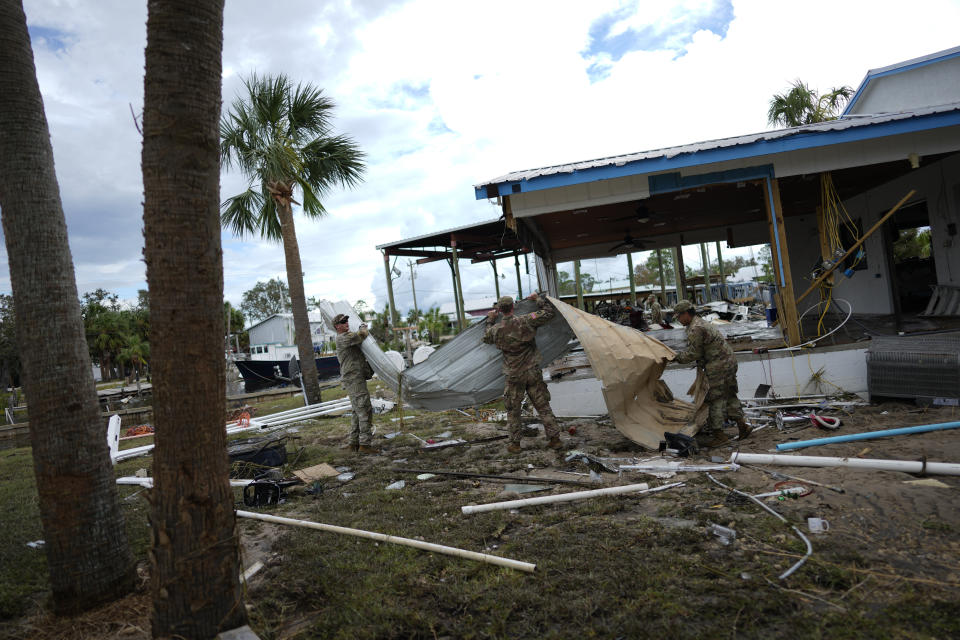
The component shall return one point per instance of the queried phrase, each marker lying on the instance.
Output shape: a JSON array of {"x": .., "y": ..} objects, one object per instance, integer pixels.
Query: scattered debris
[
  {"x": 489, "y": 476},
  {"x": 725, "y": 534},
  {"x": 818, "y": 525},
  {"x": 655, "y": 465},
  {"x": 36, "y": 544},
  {"x": 399, "y": 484},
  {"x": 407, "y": 542},
  {"x": 786, "y": 574},
  {"x": 782, "y": 476},
  {"x": 928, "y": 482},
  {"x": 525, "y": 488},
  {"x": 426, "y": 476},
  {"x": 316, "y": 472},
  {"x": 346, "y": 477}
]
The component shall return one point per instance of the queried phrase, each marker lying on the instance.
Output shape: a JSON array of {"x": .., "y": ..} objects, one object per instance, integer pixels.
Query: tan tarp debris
[
  {"x": 316, "y": 472},
  {"x": 628, "y": 365}
]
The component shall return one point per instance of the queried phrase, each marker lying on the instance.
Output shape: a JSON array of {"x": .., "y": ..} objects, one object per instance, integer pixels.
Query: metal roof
[
  {"x": 846, "y": 129},
  {"x": 444, "y": 232}
]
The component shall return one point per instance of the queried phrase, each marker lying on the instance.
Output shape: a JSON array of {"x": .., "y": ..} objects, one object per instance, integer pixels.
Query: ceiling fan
[
  {"x": 641, "y": 214},
  {"x": 629, "y": 243}
]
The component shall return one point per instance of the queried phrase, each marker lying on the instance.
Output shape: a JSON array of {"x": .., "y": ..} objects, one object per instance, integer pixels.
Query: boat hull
[{"x": 259, "y": 374}]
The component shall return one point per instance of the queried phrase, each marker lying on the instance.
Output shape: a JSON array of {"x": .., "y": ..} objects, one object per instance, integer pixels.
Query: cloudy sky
[{"x": 441, "y": 95}]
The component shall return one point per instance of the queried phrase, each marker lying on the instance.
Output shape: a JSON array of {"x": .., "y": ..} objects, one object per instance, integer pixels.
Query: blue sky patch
[
  {"x": 672, "y": 34},
  {"x": 52, "y": 39}
]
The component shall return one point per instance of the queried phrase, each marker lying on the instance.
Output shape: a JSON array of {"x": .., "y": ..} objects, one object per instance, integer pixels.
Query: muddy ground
[{"x": 625, "y": 566}]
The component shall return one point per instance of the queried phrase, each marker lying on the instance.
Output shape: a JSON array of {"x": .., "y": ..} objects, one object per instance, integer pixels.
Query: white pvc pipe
[
  {"x": 313, "y": 408},
  {"x": 148, "y": 482},
  {"x": 643, "y": 487},
  {"x": 407, "y": 542},
  {"x": 907, "y": 466}
]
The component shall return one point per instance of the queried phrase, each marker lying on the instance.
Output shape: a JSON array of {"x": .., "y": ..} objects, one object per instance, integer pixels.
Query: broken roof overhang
[
  {"x": 479, "y": 242},
  {"x": 740, "y": 148}
]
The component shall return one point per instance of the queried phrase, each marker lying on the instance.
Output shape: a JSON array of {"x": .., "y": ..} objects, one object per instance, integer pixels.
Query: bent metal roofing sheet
[{"x": 819, "y": 134}]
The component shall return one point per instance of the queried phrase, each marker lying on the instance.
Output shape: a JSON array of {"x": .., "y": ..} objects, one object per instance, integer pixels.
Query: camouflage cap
[
  {"x": 505, "y": 302},
  {"x": 683, "y": 305},
  {"x": 340, "y": 318}
]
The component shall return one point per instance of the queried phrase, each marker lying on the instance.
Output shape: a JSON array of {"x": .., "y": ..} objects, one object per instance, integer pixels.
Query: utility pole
[
  {"x": 578, "y": 288},
  {"x": 679, "y": 274},
  {"x": 663, "y": 283},
  {"x": 413, "y": 287},
  {"x": 705, "y": 258}
]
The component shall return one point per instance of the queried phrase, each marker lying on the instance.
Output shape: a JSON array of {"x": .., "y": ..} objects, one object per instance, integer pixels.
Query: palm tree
[
  {"x": 802, "y": 105},
  {"x": 195, "y": 560},
  {"x": 280, "y": 137},
  {"x": 88, "y": 556}
]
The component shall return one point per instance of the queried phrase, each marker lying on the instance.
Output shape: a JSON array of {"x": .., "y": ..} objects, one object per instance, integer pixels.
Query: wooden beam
[
  {"x": 459, "y": 291},
  {"x": 416, "y": 253},
  {"x": 856, "y": 245},
  {"x": 787, "y": 310},
  {"x": 394, "y": 316},
  {"x": 576, "y": 283}
]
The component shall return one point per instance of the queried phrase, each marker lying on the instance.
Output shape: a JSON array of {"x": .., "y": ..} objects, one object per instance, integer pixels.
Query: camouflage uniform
[
  {"x": 656, "y": 312},
  {"x": 707, "y": 347},
  {"x": 353, "y": 369},
  {"x": 515, "y": 336}
]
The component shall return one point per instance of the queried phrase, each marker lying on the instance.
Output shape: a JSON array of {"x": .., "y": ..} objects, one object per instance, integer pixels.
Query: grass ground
[{"x": 614, "y": 567}]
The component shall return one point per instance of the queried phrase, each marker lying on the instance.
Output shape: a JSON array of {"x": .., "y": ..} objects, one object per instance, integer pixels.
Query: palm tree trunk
[
  {"x": 298, "y": 300},
  {"x": 86, "y": 546},
  {"x": 195, "y": 561}
]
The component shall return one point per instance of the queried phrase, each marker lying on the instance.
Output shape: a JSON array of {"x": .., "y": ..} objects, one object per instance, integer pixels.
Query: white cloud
[{"x": 441, "y": 96}]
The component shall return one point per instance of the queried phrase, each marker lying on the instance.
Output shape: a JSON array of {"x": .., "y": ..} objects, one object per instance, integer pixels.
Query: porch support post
[
  {"x": 496, "y": 277},
  {"x": 787, "y": 309},
  {"x": 516, "y": 263},
  {"x": 663, "y": 282}
]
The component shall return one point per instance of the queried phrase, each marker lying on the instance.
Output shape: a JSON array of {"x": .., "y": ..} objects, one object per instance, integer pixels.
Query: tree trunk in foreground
[
  {"x": 301, "y": 319},
  {"x": 195, "y": 563},
  {"x": 86, "y": 546}
]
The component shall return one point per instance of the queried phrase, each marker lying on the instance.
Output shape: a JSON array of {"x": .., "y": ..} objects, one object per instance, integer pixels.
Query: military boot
[
  {"x": 555, "y": 443},
  {"x": 514, "y": 447},
  {"x": 349, "y": 446},
  {"x": 744, "y": 429},
  {"x": 712, "y": 439},
  {"x": 365, "y": 448}
]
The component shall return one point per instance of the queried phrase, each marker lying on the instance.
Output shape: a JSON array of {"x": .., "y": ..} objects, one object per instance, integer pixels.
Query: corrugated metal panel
[{"x": 849, "y": 122}]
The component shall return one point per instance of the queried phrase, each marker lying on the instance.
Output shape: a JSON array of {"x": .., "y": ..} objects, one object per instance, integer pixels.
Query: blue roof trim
[
  {"x": 660, "y": 164},
  {"x": 872, "y": 75},
  {"x": 667, "y": 182}
]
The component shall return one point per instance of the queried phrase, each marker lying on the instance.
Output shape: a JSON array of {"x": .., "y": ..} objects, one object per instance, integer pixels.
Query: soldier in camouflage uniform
[
  {"x": 656, "y": 311},
  {"x": 515, "y": 336},
  {"x": 354, "y": 370},
  {"x": 710, "y": 350}
]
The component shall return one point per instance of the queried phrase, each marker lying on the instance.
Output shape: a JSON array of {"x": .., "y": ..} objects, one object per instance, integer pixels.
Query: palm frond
[
  {"x": 242, "y": 213},
  {"x": 268, "y": 222},
  {"x": 312, "y": 207},
  {"x": 309, "y": 112},
  {"x": 331, "y": 161}
]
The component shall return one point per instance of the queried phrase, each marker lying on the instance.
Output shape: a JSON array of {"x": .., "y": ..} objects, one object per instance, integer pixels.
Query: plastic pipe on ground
[
  {"x": 406, "y": 542},
  {"x": 868, "y": 435},
  {"x": 907, "y": 466},
  {"x": 148, "y": 482},
  {"x": 643, "y": 487}
]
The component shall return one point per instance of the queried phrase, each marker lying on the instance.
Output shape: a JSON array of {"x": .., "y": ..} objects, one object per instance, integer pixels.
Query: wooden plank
[{"x": 787, "y": 310}]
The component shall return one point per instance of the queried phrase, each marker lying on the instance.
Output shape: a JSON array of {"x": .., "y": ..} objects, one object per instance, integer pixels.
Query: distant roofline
[{"x": 899, "y": 67}]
